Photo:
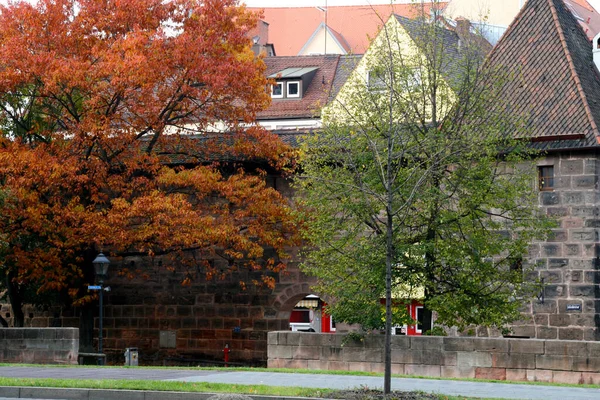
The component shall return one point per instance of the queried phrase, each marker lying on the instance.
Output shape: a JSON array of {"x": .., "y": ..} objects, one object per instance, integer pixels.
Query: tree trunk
[
  {"x": 86, "y": 328},
  {"x": 387, "y": 379},
  {"x": 16, "y": 301},
  {"x": 3, "y": 322}
]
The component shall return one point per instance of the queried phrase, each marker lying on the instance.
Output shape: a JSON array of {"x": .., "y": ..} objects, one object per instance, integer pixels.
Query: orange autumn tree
[{"x": 127, "y": 126}]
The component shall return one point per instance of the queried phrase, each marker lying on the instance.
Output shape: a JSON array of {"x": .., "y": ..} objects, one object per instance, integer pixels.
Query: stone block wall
[
  {"x": 450, "y": 357},
  {"x": 172, "y": 324},
  {"x": 568, "y": 307},
  {"x": 39, "y": 345}
]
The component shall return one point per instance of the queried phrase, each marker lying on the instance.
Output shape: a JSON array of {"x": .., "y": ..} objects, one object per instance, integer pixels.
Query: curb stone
[{"x": 22, "y": 392}]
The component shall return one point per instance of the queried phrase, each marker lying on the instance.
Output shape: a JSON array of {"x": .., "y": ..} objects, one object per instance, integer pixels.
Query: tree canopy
[
  {"x": 127, "y": 126},
  {"x": 417, "y": 189}
]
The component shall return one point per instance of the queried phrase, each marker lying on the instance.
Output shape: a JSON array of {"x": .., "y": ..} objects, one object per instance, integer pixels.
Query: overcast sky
[{"x": 312, "y": 3}]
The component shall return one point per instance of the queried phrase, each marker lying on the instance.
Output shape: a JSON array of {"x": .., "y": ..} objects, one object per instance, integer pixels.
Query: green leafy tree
[{"x": 416, "y": 185}]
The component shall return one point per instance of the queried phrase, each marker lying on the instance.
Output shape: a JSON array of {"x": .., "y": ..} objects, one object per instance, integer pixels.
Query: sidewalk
[{"x": 447, "y": 387}]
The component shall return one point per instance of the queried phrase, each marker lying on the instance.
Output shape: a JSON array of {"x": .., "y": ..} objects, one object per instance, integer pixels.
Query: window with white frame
[
  {"x": 293, "y": 89},
  {"x": 277, "y": 90},
  {"x": 420, "y": 315}
]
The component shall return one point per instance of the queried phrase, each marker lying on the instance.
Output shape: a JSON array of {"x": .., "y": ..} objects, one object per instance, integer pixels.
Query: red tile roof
[
  {"x": 340, "y": 39},
  {"x": 314, "y": 97},
  {"x": 555, "y": 81},
  {"x": 290, "y": 28}
]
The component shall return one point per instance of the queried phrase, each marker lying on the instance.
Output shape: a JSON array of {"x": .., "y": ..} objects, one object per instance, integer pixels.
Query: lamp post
[{"x": 101, "y": 264}]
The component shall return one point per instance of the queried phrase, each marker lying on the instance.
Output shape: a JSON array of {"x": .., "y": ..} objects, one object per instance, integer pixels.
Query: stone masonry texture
[
  {"x": 172, "y": 324},
  {"x": 568, "y": 306},
  {"x": 39, "y": 345},
  {"x": 560, "y": 361}
]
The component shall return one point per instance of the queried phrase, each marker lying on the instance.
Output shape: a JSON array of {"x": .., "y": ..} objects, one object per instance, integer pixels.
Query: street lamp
[{"x": 101, "y": 264}]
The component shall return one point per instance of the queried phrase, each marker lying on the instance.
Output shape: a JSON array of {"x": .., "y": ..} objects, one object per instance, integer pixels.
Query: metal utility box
[{"x": 131, "y": 356}]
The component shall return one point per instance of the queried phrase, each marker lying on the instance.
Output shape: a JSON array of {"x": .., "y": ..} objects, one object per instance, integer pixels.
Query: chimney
[
  {"x": 596, "y": 50},
  {"x": 463, "y": 26}
]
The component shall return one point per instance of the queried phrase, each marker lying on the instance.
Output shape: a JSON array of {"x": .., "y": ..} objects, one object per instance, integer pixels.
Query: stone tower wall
[{"x": 569, "y": 305}]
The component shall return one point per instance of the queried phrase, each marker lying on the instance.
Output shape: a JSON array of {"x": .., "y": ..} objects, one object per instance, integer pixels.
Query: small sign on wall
[
  {"x": 573, "y": 307},
  {"x": 168, "y": 339}
]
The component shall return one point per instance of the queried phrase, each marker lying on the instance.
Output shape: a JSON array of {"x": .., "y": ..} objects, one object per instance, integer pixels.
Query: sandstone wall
[
  {"x": 452, "y": 357},
  {"x": 39, "y": 345},
  {"x": 171, "y": 324},
  {"x": 569, "y": 305}
]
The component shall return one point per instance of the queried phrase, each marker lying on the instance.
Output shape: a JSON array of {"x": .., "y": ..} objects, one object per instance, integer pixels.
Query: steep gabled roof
[
  {"x": 452, "y": 41},
  {"x": 314, "y": 97},
  {"x": 340, "y": 39},
  {"x": 420, "y": 30},
  {"x": 554, "y": 81},
  {"x": 291, "y": 27},
  {"x": 337, "y": 37}
]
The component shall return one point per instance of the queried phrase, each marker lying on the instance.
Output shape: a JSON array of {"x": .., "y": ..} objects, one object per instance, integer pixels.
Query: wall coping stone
[{"x": 560, "y": 361}]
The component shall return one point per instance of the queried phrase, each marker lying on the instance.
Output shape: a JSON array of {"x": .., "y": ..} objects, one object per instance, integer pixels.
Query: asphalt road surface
[{"x": 447, "y": 387}]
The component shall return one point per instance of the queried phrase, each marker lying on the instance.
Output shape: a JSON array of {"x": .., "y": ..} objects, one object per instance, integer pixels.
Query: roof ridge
[
  {"x": 338, "y": 37},
  {"x": 574, "y": 73}
]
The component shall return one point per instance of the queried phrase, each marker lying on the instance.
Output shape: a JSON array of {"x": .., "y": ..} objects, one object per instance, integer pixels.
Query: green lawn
[{"x": 127, "y": 384}]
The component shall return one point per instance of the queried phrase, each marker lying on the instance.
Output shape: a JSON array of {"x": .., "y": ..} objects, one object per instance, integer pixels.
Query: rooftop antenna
[{"x": 325, "y": 11}]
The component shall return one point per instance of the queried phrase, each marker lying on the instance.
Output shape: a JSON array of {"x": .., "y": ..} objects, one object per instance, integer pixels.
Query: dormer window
[
  {"x": 292, "y": 83},
  {"x": 277, "y": 90},
  {"x": 293, "y": 89}
]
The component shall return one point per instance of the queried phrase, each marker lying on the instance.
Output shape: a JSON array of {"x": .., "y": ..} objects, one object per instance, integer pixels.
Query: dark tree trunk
[
  {"x": 86, "y": 328},
  {"x": 16, "y": 301},
  {"x": 3, "y": 322}
]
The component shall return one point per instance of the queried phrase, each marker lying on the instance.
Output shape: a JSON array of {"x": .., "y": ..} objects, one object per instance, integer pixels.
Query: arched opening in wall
[
  {"x": 303, "y": 311},
  {"x": 309, "y": 315}
]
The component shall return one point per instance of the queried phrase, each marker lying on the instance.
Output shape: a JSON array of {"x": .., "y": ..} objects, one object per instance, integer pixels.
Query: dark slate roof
[
  {"x": 420, "y": 31},
  {"x": 315, "y": 96},
  {"x": 554, "y": 81},
  {"x": 295, "y": 72},
  {"x": 292, "y": 137},
  {"x": 346, "y": 65}
]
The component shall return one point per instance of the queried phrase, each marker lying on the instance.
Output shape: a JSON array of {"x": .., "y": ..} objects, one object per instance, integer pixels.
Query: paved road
[{"x": 464, "y": 388}]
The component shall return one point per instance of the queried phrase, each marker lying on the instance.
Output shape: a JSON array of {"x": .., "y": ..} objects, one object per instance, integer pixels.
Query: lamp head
[{"x": 101, "y": 264}]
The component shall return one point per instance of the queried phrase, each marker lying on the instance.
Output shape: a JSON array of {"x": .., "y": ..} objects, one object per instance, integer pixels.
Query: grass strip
[
  {"x": 171, "y": 386},
  {"x": 201, "y": 387}
]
